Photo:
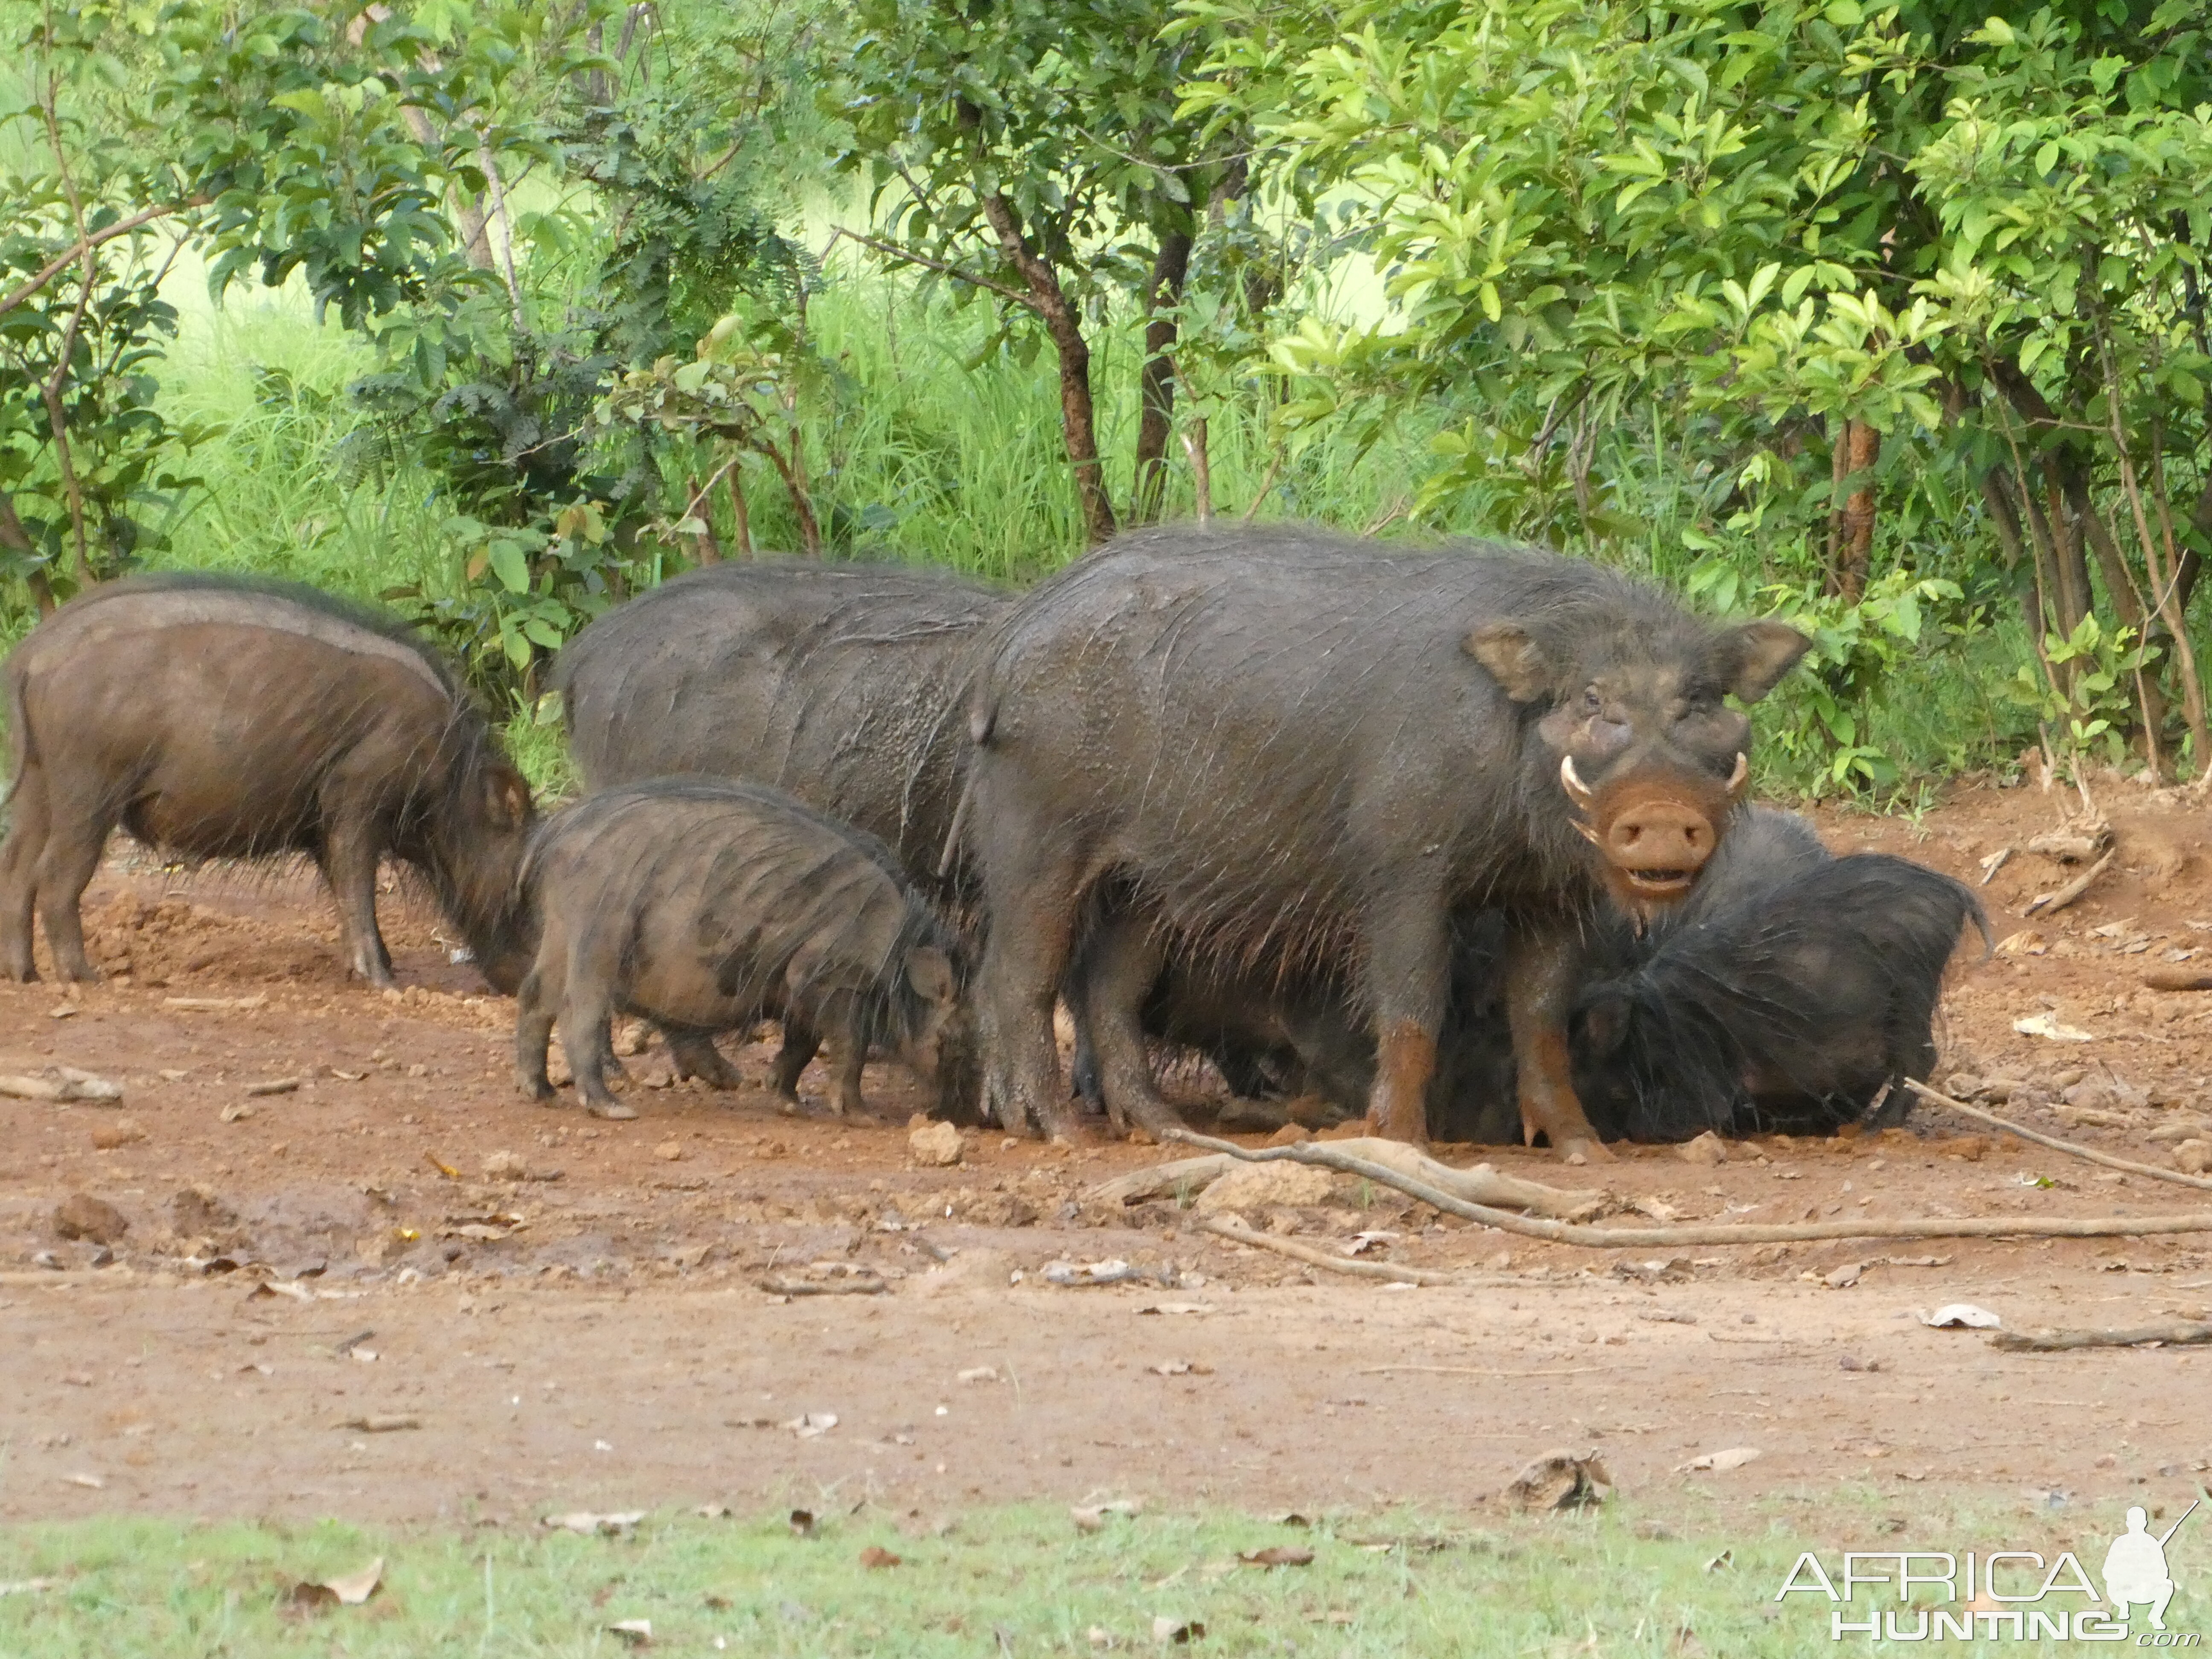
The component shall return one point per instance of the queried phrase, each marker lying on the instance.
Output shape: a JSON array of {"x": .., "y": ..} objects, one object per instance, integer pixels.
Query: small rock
[
  {"x": 669, "y": 1152},
  {"x": 934, "y": 1145},
  {"x": 2091, "y": 1093},
  {"x": 1290, "y": 1134},
  {"x": 505, "y": 1166},
  {"x": 1707, "y": 1148},
  {"x": 82, "y": 1216},
  {"x": 1261, "y": 1186},
  {"x": 2193, "y": 1158},
  {"x": 1962, "y": 1085},
  {"x": 107, "y": 1137}
]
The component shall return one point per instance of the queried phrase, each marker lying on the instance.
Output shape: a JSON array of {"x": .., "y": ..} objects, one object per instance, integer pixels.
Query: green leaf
[{"x": 510, "y": 565}]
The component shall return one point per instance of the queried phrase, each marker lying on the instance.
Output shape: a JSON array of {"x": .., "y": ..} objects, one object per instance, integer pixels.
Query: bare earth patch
[{"x": 565, "y": 1315}]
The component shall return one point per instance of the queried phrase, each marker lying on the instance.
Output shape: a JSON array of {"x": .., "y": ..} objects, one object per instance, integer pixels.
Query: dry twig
[
  {"x": 2185, "y": 1333},
  {"x": 1221, "y": 1227},
  {"x": 2073, "y": 1149},
  {"x": 1613, "y": 1238}
]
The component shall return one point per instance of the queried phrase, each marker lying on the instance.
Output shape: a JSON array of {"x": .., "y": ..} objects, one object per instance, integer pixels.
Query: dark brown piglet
[{"x": 704, "y": 906}]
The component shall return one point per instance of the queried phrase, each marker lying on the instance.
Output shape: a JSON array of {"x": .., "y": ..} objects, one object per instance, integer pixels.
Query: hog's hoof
[
  {"x": 1579, "y": 1151},
  {"x": 541, "y": 1093},
  {"x": 616, "y": 1113}
]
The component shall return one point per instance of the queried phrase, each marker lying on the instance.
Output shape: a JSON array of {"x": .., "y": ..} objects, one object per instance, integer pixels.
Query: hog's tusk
[
  {"x": 1589, "y": 833},
  {"x": 1742, "y": 771},
  {"x": 1571, "y": 781}
]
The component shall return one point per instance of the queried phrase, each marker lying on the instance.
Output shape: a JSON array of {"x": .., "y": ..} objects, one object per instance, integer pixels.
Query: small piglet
[{"x": 705, "y": 906}]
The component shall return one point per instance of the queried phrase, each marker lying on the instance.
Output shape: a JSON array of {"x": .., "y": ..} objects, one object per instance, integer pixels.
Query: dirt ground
[{"x": 593, "y": 1335}]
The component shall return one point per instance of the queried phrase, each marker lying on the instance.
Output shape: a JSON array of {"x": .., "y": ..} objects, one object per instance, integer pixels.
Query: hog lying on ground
[
  {"x": 704, "y": 906},
  {"x": 221, "y": 717},
  {"x": 1793, "y": 992}
]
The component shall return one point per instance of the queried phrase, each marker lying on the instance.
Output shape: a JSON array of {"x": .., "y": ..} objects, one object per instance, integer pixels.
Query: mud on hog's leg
[
  {"x": 1541, "y": 966},
  {"x": 75, "y": 838},
  {"x": 588, "y": 1015},
  {"x": 19, "y": 864},
  {"x": 533, "y": 1031},
  {"x": 1024, "y": 962},
  {"x": 801, "y": 1042},
  {"x": 1118, "y": 972},
  {"x": 840, "y": 1018},
  {"x": 693, "y": 1053},
  {"x": 350, "y": 857},
  {"x": 1408, "y": 970}
]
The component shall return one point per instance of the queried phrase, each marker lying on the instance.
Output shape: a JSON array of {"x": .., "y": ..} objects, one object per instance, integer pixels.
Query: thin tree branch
[
  {"x": 17, "y": 295},
  {"x": 908, "y": 256}
]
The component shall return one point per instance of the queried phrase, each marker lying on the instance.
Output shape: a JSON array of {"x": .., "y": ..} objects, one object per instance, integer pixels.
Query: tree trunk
[
  {"x": 2033, "y": 602},
  {"x": 1853, "y": 522},
  {"x": 1156, "y": 383},
  {"x": 1077, "y": 420},
  {"x": 710, "y": 547},
  {"x": 802, "y": 503},
  {"x": 1201, "y": 469},
  {"x": 744, "y": 519}
]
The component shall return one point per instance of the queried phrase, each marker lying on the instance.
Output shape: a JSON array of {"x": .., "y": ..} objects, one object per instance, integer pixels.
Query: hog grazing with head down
[
  {"x": 218, "y": 717},
  {"x": 1795, "y": 992},
  {"x": 1290, "y": 744},
  {"x": 705, "y": 906},
  {"x": 839, "y": 683}
]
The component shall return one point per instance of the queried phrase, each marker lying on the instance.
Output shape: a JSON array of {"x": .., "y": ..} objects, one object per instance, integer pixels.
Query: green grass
[{"x": 1021, "y": 1581}]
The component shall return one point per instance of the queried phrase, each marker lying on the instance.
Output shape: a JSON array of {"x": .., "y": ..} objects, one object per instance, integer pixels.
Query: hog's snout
[{"x": 1659, "y": 846}]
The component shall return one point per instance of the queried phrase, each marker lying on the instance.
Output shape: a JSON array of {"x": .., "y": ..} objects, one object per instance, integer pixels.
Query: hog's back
[
  {"x": 1252, "y": 723},
  {"x": 221, "y": 709},
  {"x": 839, "y": 685}
]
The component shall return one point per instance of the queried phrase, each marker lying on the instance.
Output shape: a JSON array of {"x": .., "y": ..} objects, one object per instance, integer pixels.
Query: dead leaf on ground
[
  {"x": 801, "y": 1524},
  {"x": 635, "y": 1632},
  {"x": 279, "y": 1085},
  {"x": 811, "y": 1425},
  {"x": 1719, "y": 1463},
  {"x": 1277, "y": 1555},
  {"x": 591, "y": 1525},
  {"x": 1178, "y": 1631},
  {"x": 1176, "y": 1308},
  {"x": 236, "y": 1114},
  {"x": 382, "y": 1422},
  {"x": 979, "y": 1374},
  {"x": 877, "y": 1556},
  {"x": 90, "y": 1482},
  {"x": 347, "y": 1591},
  {"x": 1845, "y": 1277},
  {"x": 2046, "y": 1025},
  {"x": 1960, "y": 1315},
  {"x": 712, "y": 1511},
  {"x": 30, "y": 1586},
  {"x": 1183, "y": 1368}
]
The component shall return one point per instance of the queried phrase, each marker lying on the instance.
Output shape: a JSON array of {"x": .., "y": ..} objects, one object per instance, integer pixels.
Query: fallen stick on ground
[
  {"x": 1478, "y": 1185},
  {"x": 1477, "y": 1371},
  {"x": 831, "y": 1287},
  {"x": 1221, "y": 1227},
  {"x": 2186, "y": 1334},
  {"x": 2051, "y": 903},
  {"x": 1327, "y": 1157},
  {"x": 2203, "y": 1183}
]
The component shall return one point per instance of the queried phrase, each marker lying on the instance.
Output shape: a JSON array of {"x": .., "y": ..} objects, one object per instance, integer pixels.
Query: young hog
[
  {"x": 704, "y": 906},
  {"x": 221, "y": 717},
  {"x": 839, "y": 683},
  {"x": 1797, "y": 998}
]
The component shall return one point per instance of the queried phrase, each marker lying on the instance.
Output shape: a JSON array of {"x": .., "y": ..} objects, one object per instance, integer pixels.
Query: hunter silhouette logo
[
  {"x": 2002, "y": 1595},
  {"x": 2135, "y": 1568}
]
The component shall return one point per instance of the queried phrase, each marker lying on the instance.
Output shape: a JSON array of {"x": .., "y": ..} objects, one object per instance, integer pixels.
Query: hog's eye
[{"x": 1591, "y": 701}]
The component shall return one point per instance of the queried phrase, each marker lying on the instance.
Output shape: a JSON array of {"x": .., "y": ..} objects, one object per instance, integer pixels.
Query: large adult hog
[
  {"x": 706, "y": 906},
  {"x": 223, "y": 717},
  {"x": 1795, "y": 992},
  {"x": 1285, "y": 742}
]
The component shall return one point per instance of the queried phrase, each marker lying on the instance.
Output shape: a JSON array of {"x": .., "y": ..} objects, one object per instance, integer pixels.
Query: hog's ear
[
  {"x": 510, "y": 797},
  {"x": 929, "y": 970},
  {"x": 1751, "y": 659},
  {"x": 1521, "y": 666}
]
